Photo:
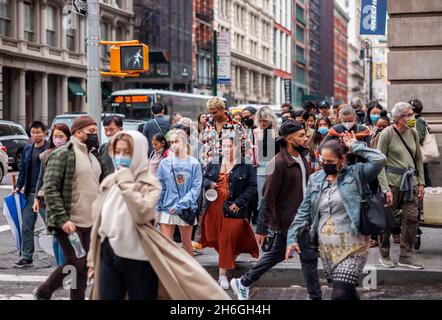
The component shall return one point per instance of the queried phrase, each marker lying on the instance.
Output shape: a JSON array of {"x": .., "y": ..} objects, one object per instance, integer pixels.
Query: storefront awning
[{"x": 75, "y": 89}]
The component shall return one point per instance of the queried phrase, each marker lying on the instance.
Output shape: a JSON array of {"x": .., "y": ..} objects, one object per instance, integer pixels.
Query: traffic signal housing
[{"x": 127, "y": 58}]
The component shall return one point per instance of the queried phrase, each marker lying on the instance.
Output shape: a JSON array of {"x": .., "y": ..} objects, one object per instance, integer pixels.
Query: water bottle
[{"x": 76, "y": 244}]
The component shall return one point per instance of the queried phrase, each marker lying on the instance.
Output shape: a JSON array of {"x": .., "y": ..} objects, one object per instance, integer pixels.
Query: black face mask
[
  {"x": 92, "y": 141},
  {"x": 248, "y": 122},
  {"x": 330, "y": 169}
]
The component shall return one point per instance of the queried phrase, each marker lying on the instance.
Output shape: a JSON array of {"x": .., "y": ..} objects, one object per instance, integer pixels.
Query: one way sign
[{"x": 79, "y": 7}]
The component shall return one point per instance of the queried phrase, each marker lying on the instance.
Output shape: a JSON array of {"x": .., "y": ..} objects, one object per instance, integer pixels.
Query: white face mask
[{"x": 348, "y": 125}]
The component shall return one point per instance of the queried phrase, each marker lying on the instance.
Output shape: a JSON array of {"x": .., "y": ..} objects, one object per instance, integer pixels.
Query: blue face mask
[
  {"x": 374, "y": 118},
  {"x": 323, "y": 130},
  {"x": 120, "y": 161}
]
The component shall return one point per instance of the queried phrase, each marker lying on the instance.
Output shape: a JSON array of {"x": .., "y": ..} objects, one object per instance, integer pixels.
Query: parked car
[
  {"x": 3, "y": 162},
  {"x": 14, "y": 138},
  {"x": 68, "y": 119},
  {"x": 240, "y": 108}
]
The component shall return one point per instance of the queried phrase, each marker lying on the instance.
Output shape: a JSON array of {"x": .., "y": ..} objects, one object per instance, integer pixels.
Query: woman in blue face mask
[
  {"x": 374, "y": 112},
  {"x": 322, "y": 128}
]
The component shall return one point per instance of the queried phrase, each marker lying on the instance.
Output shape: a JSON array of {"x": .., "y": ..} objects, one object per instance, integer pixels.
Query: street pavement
[{"x": 284, "y": 282}]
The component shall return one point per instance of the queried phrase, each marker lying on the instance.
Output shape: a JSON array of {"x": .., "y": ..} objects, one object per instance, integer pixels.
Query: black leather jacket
[{"x": 242, "y": 183}]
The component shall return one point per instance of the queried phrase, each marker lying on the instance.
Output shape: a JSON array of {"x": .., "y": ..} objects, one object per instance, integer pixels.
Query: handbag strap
[
  {"x": 406, "y": 146},
  {"x": 174, "y": 177},
  {"x": 363, "y": 188},
  {"x": 156, "y": 122}
]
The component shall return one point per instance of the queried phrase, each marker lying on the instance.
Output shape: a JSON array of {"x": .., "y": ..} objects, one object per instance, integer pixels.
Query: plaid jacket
[{"x": 57, "y": 181}]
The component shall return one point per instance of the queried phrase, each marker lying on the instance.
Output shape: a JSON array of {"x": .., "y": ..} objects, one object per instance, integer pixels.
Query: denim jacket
[{"x": 308, "y": 212}]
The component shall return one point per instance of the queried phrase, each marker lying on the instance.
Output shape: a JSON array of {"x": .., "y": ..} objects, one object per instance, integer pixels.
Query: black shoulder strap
[
  {"x": 156, "y": 122},
  {"x": 407, "y": 147}
]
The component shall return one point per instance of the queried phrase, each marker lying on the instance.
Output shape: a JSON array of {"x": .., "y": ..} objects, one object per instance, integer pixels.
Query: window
[
  {"x": 28, "y": 21},
  {"x": 5, "y": 130},
  {"x": 120, "y": 34},
  {"x": 70, "y": 38},
  {"x": 5, "y": 17},
  {"x": 120, "y": 4},
  {"x": 51, "y": 26},
  {"x": 105, "y": 53}
]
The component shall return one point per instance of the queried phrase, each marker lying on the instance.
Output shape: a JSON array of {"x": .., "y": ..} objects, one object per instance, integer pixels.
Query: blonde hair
[
  {"x": 124, "y": 137},
  {"x": 216, "y": 102},
  {"x": 267, "y": 113},
  {"x": 182, "y": 135}
]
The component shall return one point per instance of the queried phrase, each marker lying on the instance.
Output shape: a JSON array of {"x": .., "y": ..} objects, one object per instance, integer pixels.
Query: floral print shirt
[{"x": 212, "y": 139}]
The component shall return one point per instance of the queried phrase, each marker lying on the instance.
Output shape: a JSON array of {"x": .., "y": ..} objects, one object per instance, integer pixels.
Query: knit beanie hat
[{"x": 81, "y": 122}]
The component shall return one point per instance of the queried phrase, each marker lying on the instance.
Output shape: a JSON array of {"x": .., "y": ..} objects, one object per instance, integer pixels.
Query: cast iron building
[{"x": 42, "y": 63}]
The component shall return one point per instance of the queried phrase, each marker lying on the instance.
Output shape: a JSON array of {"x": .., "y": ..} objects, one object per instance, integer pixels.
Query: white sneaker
[
  {"x": 241, "y": 291},
  {"x": 223, "y": 282}
]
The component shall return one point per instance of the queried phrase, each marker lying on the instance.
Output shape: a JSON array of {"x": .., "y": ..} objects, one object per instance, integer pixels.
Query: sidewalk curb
[{"x": 288, "y": 274}]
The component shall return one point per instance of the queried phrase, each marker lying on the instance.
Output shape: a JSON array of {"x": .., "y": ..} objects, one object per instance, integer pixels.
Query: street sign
[
  {"x": 223, "y": 58},
  {"x": 79, "y": 7},
  {"x": 373, "y": 17}
]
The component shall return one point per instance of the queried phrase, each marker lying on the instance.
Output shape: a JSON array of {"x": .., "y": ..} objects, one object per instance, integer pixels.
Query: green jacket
[
  {"x": 421, "y": 127},
  {"x": 57, "y": 181}
]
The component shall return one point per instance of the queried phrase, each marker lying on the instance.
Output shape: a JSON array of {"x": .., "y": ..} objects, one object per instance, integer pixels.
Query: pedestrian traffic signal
[
  {"x": 127, "y": 58},
  {"x": 134, "y": 58}
]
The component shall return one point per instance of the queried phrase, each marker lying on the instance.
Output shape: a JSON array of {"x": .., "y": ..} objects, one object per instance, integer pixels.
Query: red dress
[{"x": 230, "y": 237}]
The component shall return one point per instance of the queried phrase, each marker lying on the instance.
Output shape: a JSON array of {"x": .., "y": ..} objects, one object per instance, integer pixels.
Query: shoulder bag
[
  {"x": 188, "y": 214},
  {"x": 430, "y": 150},
  {"x": 376, "y": 214}
]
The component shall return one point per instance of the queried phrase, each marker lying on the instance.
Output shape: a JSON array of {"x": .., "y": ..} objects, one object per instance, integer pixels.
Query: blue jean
[
  {"x": 58, "y": 252},
  {"x": 28, "y": 227}
]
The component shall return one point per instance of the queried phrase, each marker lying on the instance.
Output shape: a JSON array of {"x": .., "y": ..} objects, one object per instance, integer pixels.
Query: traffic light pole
[{"x": 93, "y": 61}]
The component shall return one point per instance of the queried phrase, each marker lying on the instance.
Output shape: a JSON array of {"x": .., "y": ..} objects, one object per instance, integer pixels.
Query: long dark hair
[
  {"x": 63, "y": 128},
  {"x": 374, "y": 105},
  {"x": 318, "y": 136}
]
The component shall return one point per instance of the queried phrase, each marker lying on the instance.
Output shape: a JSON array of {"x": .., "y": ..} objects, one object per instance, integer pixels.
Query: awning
[{"x": 75, "y": 89}]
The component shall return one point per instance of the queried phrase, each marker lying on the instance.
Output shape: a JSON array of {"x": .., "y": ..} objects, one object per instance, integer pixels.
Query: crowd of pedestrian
[{"x": 249, "y": 183}]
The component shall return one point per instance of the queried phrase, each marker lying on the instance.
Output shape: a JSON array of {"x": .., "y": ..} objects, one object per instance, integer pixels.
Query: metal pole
[
  {"x": 93, "y": 61},
  {"x": 371, "y": 71},
  {"x": 215, "y": 64}
]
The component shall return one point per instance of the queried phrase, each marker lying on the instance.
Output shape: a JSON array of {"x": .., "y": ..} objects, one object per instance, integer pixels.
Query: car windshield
[{"x": 66, "y": 120}]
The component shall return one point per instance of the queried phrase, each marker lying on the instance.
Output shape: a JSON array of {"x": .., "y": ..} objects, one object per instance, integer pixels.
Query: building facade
[
  {"x": 250, "y": 24},
  {"x": 414, "y": 63},
  {"x": 355, "y": 65},
  {"x": 314, "y": 47},
  {"x": 43, "y": 56},
  {"x": 340, "y": 55},
  {"x": 300, "y": 47},
  {"x": 167, "y": 26},
  {"x": 282, "y": 43},
  {"x": 327, "y": 49},
  {"x": 203, "y": 46}
]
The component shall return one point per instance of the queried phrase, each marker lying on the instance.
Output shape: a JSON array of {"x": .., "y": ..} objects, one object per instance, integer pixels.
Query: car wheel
[{"x": 16, "y": 164}]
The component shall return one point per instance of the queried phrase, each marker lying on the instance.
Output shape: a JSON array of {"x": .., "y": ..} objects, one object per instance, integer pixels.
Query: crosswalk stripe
[
  {"x": 21, "y": 278},
  {"x": 5, "y": 228}
]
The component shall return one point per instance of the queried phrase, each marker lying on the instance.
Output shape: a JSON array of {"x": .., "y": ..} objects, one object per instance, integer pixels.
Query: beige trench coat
[{"x": 180, "y": 276}]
